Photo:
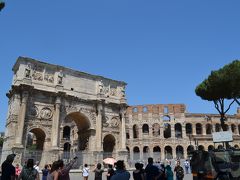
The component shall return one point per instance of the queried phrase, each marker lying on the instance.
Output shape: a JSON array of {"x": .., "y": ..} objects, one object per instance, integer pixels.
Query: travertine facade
[{"x": 76, "y": 112}]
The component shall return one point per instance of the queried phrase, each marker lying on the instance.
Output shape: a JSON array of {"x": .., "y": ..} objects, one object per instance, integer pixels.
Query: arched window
[
  {"x": 167, "y": 130},
  {"x": 208, "y": 129},
  {"x": 217, "y": 127},
  {"x": 166, "y": 118},
  {"x": 136, "y": 153},
  {"x": 178, "y": 130},
  {"x": 198, "y": 128},
  {"x": 210, "y": 148},
  {"x": 168, "y": 152},
  {"x": 135, "y": 110},
  {"x": 165, "y": 110},
  {"x": 135, "y": 131},
  {"x": 233, "y": 128},
  {"x": 179, "y": 152},
  {"x": 157, "y": 153},
  {"x": 66, "y": 132},
  {"x": 145, "y": 109},
  {"x": 145, "y": 129},
  {"x": 188, "y": 128}
]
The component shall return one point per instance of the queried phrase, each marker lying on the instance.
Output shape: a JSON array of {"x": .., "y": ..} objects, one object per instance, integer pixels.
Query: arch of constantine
[{"x": 56, "y": 112}]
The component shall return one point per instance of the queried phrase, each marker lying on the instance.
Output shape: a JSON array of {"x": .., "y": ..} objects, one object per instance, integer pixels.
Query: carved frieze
[
  {"x": 49, "y": 78},
  {"x": 112, "y": 122},
  {"x": 46, "y": 113}
]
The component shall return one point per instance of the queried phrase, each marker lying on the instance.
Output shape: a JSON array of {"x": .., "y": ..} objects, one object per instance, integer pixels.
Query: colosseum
[{"x": 56, "y": 112}]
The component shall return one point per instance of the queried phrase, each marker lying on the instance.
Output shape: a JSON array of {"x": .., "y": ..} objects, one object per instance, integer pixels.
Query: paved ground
[{"x": 78, "y": 176}]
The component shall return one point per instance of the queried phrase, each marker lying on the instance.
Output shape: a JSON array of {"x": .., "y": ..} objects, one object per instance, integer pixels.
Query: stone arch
[
  {"x": 189, "y": 128},
  {"x": 166, "y": 118},
  {"x": 199, "y": 129},
  {"x": 136, "y": 153},
  {"x": 217, "y": 127},
  {"x": 167, "y": 130},
  {"x": 239, "y": 129},
  {"x": 146, "y": 152},
  {"x": 156, "y": 129},
  {"x": 109, "y": 142},
  {"x": 201, "y": 147},
  {"x": 145, "y": 129},
  {"x": 83, "y": 129},
  {"x": 66, "y": 132},
  {"x": 156, "y": 153},
  {"x": 178, "y": 130},
  {"x": 208, "y": 129},
  {"x": 35, "y": 142},
  {"x": 66, "y": 150},
  {"x": 210, "y": 148},
  {"x": 236, "y": 146},
  {"x": 233, "y": 128},
  {"x": 190, "y": 149},
  {"x": 179, "y": 152},
  {"x": 135, "y": 131},
  {"x": 168, "y": 152}
]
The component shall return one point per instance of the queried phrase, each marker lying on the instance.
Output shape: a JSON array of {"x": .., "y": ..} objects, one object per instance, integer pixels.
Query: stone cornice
[{"x": 26, "y": 60}]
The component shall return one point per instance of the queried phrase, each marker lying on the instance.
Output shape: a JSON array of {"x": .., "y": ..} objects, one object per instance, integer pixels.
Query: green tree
[
  {"x": 220, "y": 86},
  {"x": 2, "y": 5},
  {"x": 1, "y": 142}
]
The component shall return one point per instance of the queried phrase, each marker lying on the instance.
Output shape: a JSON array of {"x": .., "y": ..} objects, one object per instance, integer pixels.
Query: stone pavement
[{"x": 78, "y": 176}]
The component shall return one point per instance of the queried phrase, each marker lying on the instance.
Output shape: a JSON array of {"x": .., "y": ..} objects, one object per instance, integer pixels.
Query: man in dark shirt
[
  {"x": 8, "y": 170},
  {"x": 151, "y": 171}
]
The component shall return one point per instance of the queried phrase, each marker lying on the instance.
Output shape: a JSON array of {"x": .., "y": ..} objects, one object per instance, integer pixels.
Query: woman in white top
[{"x": 85, "y": 172}]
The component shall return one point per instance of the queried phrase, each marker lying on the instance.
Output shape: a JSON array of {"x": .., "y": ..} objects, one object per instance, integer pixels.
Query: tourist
[
  {"x": 98, "y": 172},
  {"x": 45, "y": 172},
  {"x": 151, "y": 171},
  {"x": 17, "y": 171},
  {"x": 179, "y": 171},
  {"x": 186, "y": 165},
  {"x": 54, "y": 171},
  {"x": 85, "y": 172},
  {"x": 121, "y": 173},
  {"x": 8, "y": 170},
  {"x": 29, "y": 172},
  {"x": 110, "y": 171},
  {"x": 64, "y": 170},
  {"x": 36, "y": 166},
  {"x": 169, "y": 172},
  {"x": 138, "y": 174}
]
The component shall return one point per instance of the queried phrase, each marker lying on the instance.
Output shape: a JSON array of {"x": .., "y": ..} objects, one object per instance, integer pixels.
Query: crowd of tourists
[{"x": 59, "y": 171}]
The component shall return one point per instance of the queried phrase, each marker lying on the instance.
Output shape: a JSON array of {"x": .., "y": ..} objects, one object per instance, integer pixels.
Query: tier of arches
[{"x": 197, "y": 129}]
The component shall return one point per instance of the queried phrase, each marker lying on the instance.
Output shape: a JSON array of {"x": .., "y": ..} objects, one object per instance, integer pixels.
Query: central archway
[{"x": 79, "y": 133}]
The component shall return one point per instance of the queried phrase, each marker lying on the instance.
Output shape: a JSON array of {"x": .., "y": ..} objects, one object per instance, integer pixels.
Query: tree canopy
[
  {"x": 221, "y": 85},
  {"x": 2, "y": 5}
]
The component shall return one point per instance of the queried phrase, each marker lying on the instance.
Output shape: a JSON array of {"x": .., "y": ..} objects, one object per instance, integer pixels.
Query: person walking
[
  {"x": 121, "y": 173},
  {"x": 179, "y": 171},
  {"x": 98, "y": 172},
  {"x": 186, "y": 165},
  {"x": 29, "y": 172},
  {"x": 8, "y": 170},
  {"x": 85, "y": 172}
]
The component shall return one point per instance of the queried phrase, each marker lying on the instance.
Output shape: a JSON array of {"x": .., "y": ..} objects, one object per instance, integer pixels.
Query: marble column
[
  {"x": 99, "y": 128},
  {"x": 55, "y": 124},
  {"x": 21, "y": 119},
  {"x": 123, "y": 130}
]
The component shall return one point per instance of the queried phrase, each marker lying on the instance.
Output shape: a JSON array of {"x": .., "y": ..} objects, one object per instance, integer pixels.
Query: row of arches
[{"x": 167, "y": 133}]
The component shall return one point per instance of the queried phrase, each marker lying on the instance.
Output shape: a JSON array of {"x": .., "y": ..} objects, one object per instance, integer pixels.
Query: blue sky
[{"x": 162, "y": 49}]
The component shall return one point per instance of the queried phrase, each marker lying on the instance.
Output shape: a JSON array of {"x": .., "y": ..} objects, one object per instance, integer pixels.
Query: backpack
[{"x": 180, "y": 172}]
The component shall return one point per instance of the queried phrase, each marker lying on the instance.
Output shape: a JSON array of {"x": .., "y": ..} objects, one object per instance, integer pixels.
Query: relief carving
[
  {"x": 113, "y": 122},
  {"x": 34, "y": 111},
  {"x": 49, "y": 78},
  {"x": 60, "y": 77},
  {"x": 46, "y": 113},
  {"x": 28, "y": 71},
  {"x": 37, "y": 75}
]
